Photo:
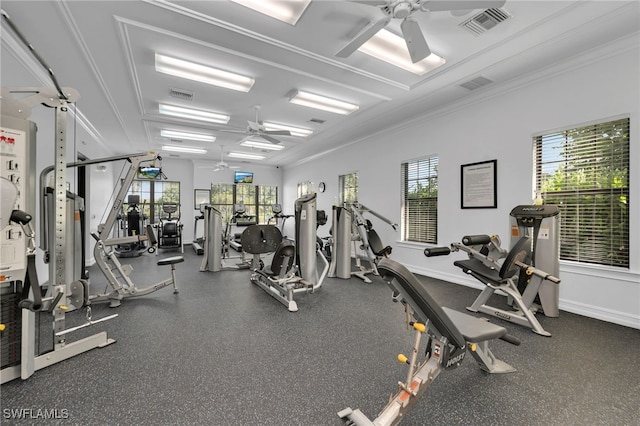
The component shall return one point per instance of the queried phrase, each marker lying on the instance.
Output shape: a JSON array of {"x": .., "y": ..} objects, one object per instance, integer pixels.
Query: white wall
[{"x": 498, "y": 123}]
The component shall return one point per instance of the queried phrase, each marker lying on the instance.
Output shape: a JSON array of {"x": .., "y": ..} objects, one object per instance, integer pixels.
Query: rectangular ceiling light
[
  {"x": 193, "y": 114},
  {"x": 323, "y": 103},
  {"x": 184, "y": 149},
  {"x": 288, "y": 11},
  {"x": 262, "y": 145},
  {"x": 392, "y": 49},
  {"x": 245, "y": 156},
  {"x": 295, "y": 131},
  {"x": 176, "y": 134},
  {"x": 202, "y": 73}
]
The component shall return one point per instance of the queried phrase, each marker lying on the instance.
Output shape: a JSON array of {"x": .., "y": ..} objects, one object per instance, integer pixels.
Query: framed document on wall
[{"x": 479, "y": 185}]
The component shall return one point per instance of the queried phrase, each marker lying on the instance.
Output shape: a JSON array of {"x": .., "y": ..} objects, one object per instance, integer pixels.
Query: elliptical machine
[
  {"x": 133, "y": 224},
  {"x": 170, "y": 228}
]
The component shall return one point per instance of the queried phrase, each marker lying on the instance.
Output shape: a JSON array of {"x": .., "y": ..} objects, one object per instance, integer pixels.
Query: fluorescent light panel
[
  {"x": 202, "y": 73},
  {"x": 323, "y": 103},
  {"x": 295, "y": 131},
  {"x": 392, "y": 49},
  {"x": 245, "y": 155},
  {"x": 176, "y": 134},
  {"x": 262, "y": 145},
  {"x": 193, "y": 114},
  {"x": 288, "y": 11},
  {"x": 184, "y": 149}
]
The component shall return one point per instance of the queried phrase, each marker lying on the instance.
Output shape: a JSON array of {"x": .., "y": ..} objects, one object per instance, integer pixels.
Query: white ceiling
[{"x": 105, "y": 50}]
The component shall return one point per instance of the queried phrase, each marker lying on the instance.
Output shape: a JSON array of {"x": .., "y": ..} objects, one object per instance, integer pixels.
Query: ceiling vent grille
[
  {"x": 181, "y": 94},
  {"x": 476, "y": 83},
  {"x": 175, "y": 140},
  {"x": 484, "y": 21}
]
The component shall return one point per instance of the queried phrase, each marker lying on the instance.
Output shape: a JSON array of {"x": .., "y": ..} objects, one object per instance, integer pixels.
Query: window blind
[
  {"x": 420, "y": 200},
  {"x": 585, "y": 171}
]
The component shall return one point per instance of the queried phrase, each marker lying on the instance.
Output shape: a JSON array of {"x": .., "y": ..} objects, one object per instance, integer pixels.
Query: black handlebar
[
  {"x": 437, "y": 251},
  {"x": 474, "y": 240}
]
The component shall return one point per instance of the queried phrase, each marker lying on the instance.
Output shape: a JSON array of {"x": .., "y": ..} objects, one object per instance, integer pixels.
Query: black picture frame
[{"x": 479, "y": 185}]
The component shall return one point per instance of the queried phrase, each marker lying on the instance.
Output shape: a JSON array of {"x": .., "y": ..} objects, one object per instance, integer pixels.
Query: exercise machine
[
  {"x": 198, "y": 242},
  {"x": 294, "y": 267},
  {"x": 350, "y": 226},
  {"x": 516, "y": 270},
  {"x": 170, "y": 228},
  {"x": 279, "y": 218},
  {"x": 450, "y": 334},
  {"x": 133, "y": 223},
  {"x": 22, "y": 303},
  {"x": 117, "y": 275},
  {"x": 240, "y": 219},
  {"x": 540, "y": 223}
]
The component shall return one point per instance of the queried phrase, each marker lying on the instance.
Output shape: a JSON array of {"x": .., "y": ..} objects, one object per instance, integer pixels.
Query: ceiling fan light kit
[
  {"x": 193, "y": 114},
  {"x": 322, "y": 103},
  {"x": 202, "y": 73}
]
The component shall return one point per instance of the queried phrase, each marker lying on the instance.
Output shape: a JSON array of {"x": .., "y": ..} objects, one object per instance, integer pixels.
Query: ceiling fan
[
  {"x": 257, "y": 129},
  {"x": 221, "y": 165},
  {"x": 404, "y": 9}
]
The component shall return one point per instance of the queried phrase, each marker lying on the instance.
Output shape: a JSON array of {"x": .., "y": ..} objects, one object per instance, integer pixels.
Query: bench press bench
[{"x": 451, "y": 334}]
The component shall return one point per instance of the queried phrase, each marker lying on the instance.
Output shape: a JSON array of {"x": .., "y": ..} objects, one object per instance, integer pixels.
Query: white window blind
[
  {"x": 420, "y": 200},
  {"x": 585, "y": 171}
]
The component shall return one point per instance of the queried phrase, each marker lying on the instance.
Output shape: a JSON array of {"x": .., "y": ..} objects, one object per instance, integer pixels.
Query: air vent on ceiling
[
  {"x": 175, "y": 140},
  {"x": 174, "y": 155},
  {"x": 317, "y": 121},
  {"x": 181, "y": 94},
  {"x": 476, "y": 83},
  {"x": 484, "y": 21}
]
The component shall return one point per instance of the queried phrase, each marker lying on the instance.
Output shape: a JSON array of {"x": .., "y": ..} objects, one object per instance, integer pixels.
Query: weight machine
[
  {"x": 516, "y": 271},
  {"x": 294, "y": 267},
  {"x": 22, "y": 299},
  {"x": 349, "y": 225},
  {"x": 450, "y": 335}
]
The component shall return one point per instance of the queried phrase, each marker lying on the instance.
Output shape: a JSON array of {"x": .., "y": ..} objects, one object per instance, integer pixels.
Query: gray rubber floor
[{"x": 222, "y": 352}]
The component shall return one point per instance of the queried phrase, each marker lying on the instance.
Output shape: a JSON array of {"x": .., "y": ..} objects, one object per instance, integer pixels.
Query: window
[
  {"x": 152, "y": 195},
  {"x": 420, "y": 200},
  {"x": 256, "y": 199},
  {"x": 348, "y": 185},
  {"x": 305, "y": 188},
  {"x": 585, "y": 172}
]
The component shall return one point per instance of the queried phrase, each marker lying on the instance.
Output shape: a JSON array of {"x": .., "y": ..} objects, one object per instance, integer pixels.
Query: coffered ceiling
[{"x": 107, "y": 50}]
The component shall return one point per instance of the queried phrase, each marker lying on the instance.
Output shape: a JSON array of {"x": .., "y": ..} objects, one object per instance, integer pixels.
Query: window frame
[
  {"x": 424, "y": 229},
  {"x": 585, "y": 214}
]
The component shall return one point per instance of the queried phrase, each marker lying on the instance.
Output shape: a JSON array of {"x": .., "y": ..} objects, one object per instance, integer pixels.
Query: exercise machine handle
[
  {"x": 437, "y": 251},
  {"x": 474, "y": 240},
  {"x": 530, "y": 270}
]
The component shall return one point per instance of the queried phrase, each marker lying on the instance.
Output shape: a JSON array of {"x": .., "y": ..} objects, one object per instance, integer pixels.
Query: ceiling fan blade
[
  {"x": 253, "y": 125},
  {"x": 276, "y": 132},
  {"x": 416, "y": 43},
  {"x": 361, "y": 38},
  {"x": 440, "y": 5},
  {"x": 269, "y": 138}
]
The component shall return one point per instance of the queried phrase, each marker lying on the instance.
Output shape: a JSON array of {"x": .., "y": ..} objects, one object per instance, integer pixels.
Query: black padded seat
[
  {"x": 477, "y": 267},
  {"x": 474, "y": 329},
  {"x": 286, "y": 251},
  {"x": 376, "y": 244},
  {"x": 170, "y": 260},
  {"x": 423, "y": 303}
]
